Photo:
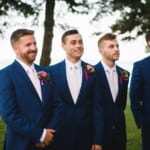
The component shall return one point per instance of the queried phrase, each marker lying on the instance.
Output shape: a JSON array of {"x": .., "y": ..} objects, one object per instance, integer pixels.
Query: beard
[{"x": 29, "y": 57}]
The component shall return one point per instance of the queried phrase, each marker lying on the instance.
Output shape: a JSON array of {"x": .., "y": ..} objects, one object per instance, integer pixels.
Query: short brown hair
[
  {"x": 20, "y": 33},
  {"x": 107, "y": 36},
  {"x": 67, "y": 33}
]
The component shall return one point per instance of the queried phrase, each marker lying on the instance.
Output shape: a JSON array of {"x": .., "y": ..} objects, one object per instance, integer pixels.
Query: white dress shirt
[
  {"x": 112, "y": 84},
  {"x": 72, "y": 79}
]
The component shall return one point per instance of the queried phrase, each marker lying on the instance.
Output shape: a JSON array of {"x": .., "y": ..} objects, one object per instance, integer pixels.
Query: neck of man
[
  {"x": 109, "y": 63},
  {"x": 73, "y": 60},
  {"x": 29, "y": 63}
]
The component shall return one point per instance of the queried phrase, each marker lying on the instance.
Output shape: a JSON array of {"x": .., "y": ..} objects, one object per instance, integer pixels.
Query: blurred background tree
[{"x": 132, "y": 22}]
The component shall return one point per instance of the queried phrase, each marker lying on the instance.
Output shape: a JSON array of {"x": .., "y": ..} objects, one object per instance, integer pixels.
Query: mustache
[{"x": 32, "y": 51}]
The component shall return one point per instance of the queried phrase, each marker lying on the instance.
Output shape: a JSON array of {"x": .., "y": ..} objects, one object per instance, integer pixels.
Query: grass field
[
  {"x": 133, "y": 134},
  {"x": 2, "y": 132}
]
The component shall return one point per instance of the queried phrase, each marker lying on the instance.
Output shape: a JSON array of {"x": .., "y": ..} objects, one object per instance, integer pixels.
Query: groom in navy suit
[
  {"x": 140, "y": 96},
  {"x": 113, "y": 84},
  {"x": 26, "y": 97},
  {"x": 81, "y": 127}
]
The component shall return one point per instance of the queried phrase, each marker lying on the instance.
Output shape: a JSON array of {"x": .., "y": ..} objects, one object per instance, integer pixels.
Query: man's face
[
  {"x": 109, "y": 50},
  {"x": 73, "y": 47},
  {"x": 26, "y": 49}
]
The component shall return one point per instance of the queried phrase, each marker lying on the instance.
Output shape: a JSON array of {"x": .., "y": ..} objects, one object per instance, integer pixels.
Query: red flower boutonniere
[
  {"x": 124, "y": 76},
  {"x": 88, "y": 70},
  {"x": 43, "y": 76}
]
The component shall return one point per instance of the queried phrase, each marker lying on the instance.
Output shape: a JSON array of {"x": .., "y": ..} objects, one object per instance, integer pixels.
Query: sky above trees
[{"x": 130, "y": 51}]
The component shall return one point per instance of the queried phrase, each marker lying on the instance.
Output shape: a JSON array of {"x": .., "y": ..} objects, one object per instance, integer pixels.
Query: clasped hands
[{"x": 48, "y": 138}]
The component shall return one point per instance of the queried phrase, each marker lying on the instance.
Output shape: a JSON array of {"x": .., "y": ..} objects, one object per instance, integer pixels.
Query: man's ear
[
  {"x": 100, "y": 50},
  {"x": 63, "y": 45},
  {"x": 15, "y": 47}
]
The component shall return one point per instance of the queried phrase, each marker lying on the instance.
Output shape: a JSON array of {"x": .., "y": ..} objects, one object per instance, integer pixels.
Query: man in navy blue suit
[
  {"x": 113, "y": 84},
  {"x": 140, "y": 96},
  {"x": 26, "y": 97},
  {"x": 75, "y": 85}
]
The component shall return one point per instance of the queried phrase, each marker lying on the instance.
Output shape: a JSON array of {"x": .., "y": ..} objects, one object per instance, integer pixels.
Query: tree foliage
[
  {"x": 21, "y": 7},
  {"x": 134, "y": 16},
  {"x": 79, "y": 7},
  {"x": 8, "y": 7}
]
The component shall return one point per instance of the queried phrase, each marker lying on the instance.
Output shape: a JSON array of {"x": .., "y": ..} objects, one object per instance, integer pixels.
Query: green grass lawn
[
  {"x": 2, "y": 132},
  {"x": 133, "y": 134}
]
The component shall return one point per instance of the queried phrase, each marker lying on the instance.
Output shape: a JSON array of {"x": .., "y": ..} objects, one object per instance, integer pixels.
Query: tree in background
[
  {"x": 33, "y": 9},
  {"x": 72, "y": 6},
  {"x": 134, "y": 16},
  {"x": 9, "y": 7}
]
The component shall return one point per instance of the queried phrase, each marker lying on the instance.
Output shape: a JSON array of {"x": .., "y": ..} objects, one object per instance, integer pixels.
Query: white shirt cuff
[{"x": 43, "y": 135}]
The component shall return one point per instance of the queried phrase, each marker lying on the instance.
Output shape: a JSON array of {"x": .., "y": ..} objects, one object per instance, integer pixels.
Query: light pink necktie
[
  {"x": 35, "y": 81},
  {"x": 112, "y": 84},
  {"x": 73, "y": 83}
]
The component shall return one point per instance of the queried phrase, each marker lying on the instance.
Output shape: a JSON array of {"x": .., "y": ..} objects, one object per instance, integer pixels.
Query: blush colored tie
[
  {"x": 112, "y": 84},
  {"x": 73, "y": 83},
  {"x": 35, "y": 81}
]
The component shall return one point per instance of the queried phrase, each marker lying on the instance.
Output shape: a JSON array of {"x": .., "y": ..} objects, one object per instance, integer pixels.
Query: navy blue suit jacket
[
  {"x": 21, "y": 108},
  {"x": 78, "y": 124},
  {"x": 140, "y": 92},
  {"x": 113, "y": 112}
]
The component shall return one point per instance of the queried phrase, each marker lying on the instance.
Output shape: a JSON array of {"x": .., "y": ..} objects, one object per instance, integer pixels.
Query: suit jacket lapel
[
  {"x": 21, "y": 72},
  {"x": 104, "y": 80},
  {"x": 64, "y": 82},
  {"x": 37, "y": 68},
  {"x": 44, "y": 89},
  {"x": 83, "y": 84},
  {"x": 25, "y": 79},
  {"x": 119, "y": 83}
]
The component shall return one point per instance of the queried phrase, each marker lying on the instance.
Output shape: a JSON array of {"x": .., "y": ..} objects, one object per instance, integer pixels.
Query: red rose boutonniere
[
  {"x": 124, "y": 76},
  {"x": 43, "y": 76},
  {"x": 88, "y": 70}
]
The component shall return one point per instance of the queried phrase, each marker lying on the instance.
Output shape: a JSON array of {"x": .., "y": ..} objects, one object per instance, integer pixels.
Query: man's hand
[
  {"x": 40, "y": 145},
  {"x": 48, "y": 138},
  {"x": 96, "y": 147}
]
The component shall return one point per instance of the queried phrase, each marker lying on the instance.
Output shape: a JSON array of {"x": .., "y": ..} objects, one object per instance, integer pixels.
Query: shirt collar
[
  {"x": 25, "y": 66},
  {"x": 107, "y": 68},
  {"x": 70, "y": 64}
]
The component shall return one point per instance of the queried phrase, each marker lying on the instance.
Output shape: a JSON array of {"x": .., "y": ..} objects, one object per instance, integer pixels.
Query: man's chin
[
  {"x": 79, "y": 56},
  {"x": 116, "y": 58},
  {"x": 31, "y": 60},
  {"x": 32, "y": 57}
]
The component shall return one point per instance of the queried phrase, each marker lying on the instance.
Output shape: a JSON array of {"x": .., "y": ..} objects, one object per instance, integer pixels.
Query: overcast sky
[{"x": 130, "y": 51}]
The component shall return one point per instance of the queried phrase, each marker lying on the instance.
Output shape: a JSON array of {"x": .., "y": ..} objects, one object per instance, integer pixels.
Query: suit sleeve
[
  {"x": 136, "y": 95},
  {"x": 11, "y": 114}
]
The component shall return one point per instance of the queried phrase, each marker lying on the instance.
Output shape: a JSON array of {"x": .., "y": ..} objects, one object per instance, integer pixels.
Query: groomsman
[
  {"x": 75, "y": 86},
  {"x": 113, "y": 85},
  {"x": 26, "y": 97},
  {"x": 140, "y": 96}
]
